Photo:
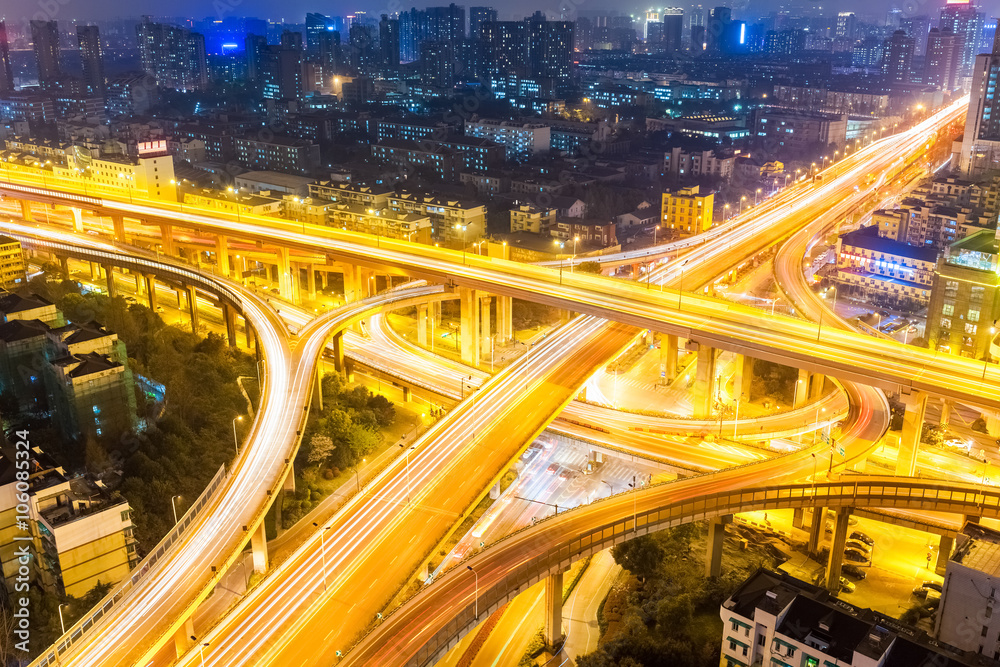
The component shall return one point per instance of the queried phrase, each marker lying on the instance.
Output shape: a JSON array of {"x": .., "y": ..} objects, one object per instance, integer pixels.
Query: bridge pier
[
  {"x": 258, "y": 546},
  {"x": 289, "y": 484},
  {"x": 351, "y": 292},
  {"x": 317, "y": 393},
  {"x": 553, "y": 608},
  {"x": 816, "y": 383},
  {"x": 338, "y": 351},
  {"x": 469, "y": 329},
  {"x": 64, "y": 265},
  {"x": 703, "y": 391},
  {"x": 816, "y": 529},
  {"x": 835, "y": 562},
  {"x": 801, "y": 389},
  {"x": 109, "y": 274},
  {"x": 716, "y": 538},
  {"x": 486, "y": 325},
  {"x": 118, "y": 223},
  {"x": 743, "y": 378},
  {"x": 182, "y": 638},
  {"x": 798, "y": 515},
  {"x": 505, "y": 319},
  {"x": 946, "y": 407},
  {"x": 77, "y": 219},
  {"x": 229, "y": 316},
  {"x": 222, "y": 255},
  {"x": 913, "y": 422},
  {"x": 422, "y": 324},
  {"x": 311, "y": 281},
  {"x": 284, "y": 275},
  {"x": 26, "y": 210},
  {"x": 192, "y": 298},
  {"x": 668, "y": 356},
  {"x": 945, "y": 545},
  {"x": 150, "y": 281},
  {"x": 167, "y": 239}
]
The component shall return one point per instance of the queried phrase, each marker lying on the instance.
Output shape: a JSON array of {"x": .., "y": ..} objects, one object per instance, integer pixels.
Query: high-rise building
[
  {"x": 505, "y": 48},
  {"x": 717, "y": 29},
  {"x": 388, "y": 42},
  {"x": 961, "y": 18},
  {"x": 477, "y": 17},
  {"x": 847, "y": 25},
  {"x": 254, "y": 50},
  {"x": 437, "y": 64},
  {"x": 92, "y": 58},
  {"x": 789, "y": 42},
  {"x": 412, "y": 31},
  {"x": 175, "y": 57},
  {"x": 981, "y": 141},
  {"x": 364, "y": 52},
  {"x": 550, "y": 47},
  {"x": 897, "y": 58},
  {"x": 673, "y": 29},
  {"x": 916, "y": 27},
  {"x": 944, "y": 49},
  {"x": 6, "y": 74},
  {"x": 316, "y": 25},
  {"x": 45, "y": 37},
  {"x": 292, "y": 39},
  {"x": 281, "y": 73}
]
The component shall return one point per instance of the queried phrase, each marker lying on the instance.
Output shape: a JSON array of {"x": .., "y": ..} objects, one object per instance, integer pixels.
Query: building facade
[{"x": 687, "y": 211}]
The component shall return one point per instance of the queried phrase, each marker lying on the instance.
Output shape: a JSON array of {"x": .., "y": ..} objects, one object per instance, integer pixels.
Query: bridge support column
[
  {"x": 469, "y": 330},
  {"x": 553, "y": 608},
  {"x": 486, "y": 325},
  {"x": 797, "y": 518},
  {"x": 167, "y": 239},
  {"x": 835, "y": 563},
  {"x": 992, "y": 423},
  {"x": 109, "y": 276},
  {"x": 258, "y": 545},
  {"x": 434, "y": 313},
  {"x": 946, "y": 406},
  {"x": 311, "y": 281},
  {"x": 192, "y": 297},
  {"x": 422, "y": 324},
  {"x": 668, "y": 356},
  {"x": 77, "y": 219},
  {"x": 716, "y": 538},
  {"x": 150, "y": 280},
  {"x": 351, "y": 286},
  {"x": 945, "y": 545},
  {"x": 284, "y": 275},
  {"x": 703, "y": 391},
  {"x": 816, "y": 383},
  {"x": 495, "y": 491},
  {"x": 118, "y": 223},
  {"x": 505, "y": 319},
  {"x": 229, "y": 316},
  {"x": 317, "y": 395},
  {"x": 64, "y": 265},
  {"x": 289, "y": 484},
  {"x": 801, "y": 388},
  {"x": 742, "y": 379},
  {"x": 909, "y": 441},
  {"x": 222, "y": 255},
  {"x": 182, "y": 638},
  {"x": 338, "y": 351},
  {"x": 816, "y": 529},
  {"x": 26, "y": 211}
]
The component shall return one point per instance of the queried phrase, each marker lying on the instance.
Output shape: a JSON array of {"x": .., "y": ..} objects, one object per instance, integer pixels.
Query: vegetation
[
  {"x": 528, "y": 315},
  {"x": 774, "y": 381},
  {"x": 589, "y": 267}
]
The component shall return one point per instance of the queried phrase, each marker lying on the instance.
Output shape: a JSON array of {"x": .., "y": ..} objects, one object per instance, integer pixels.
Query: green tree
[
  {"x": 589, "y": 267},
  {"x": 641, "y": 556},
  {"x": 320, "y": 448}
]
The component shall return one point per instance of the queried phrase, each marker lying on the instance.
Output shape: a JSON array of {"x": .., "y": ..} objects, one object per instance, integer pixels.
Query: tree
[
  {"x": 589, "y": 267},
  {"x": 320, "y": 448},
  {"x": 641, "y": 556},
  {"x": 673, "y": 615}
]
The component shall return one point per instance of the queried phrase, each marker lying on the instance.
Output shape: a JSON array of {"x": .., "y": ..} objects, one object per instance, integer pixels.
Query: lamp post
[
  {"x": 469, "y": 568},
  {"x": 464, "y": 228},
  {"x": 236, "y": 441},
  {"x": 635, "y": 513},
  {"x": 201, "y": 649},
  {"x": 322, "y": 548},
  {"x": 756, "y": 195},
  {"x": 576, "y": 239},
  {"x": 725, "y": 213},
  {"x": 609, "y": 486},
  {"x": 406, "y": 451},
  {"x": 61, "y": 623},
  {"x": 174, "y": 507},
  {"x": 559, "y": 244},
  {"x": 742, "y": 199},
  {"x": 357, "y": 474},
  {"x": 680, "y": 286}
]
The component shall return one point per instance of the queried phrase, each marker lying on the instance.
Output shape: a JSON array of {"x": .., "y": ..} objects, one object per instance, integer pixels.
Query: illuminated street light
[{"x": 236, "y": 441}]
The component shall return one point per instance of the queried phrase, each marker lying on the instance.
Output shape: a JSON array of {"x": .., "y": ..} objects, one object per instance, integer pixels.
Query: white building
[
  {"x": 522, "y": 140},
  {"x": 971, "y": 591},
  {"x": 255, "y": 182}
]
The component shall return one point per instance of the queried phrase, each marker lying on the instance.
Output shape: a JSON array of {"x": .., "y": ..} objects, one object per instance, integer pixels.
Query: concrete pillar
[
  {"x": 95, "y": 273},
  {"x": 192, "y": 296},
  {"x": 109, "y": 276},
  {"x": 229, "y": 316},
  {"x": 338, "y": 351},
  {"x": 250, "y": 333},
  {"x": 182, "y": 638},
  {"x": 351, "y": 281},
  {"x": 946, "y": 406},
  {"x": 909, "y": 440},
  {"x": 553, "y": 608},
  {"x": 407, "y": 394},
  {"x": 835, "y": 562},
  {"x": 317, "y": 396},
  {"x": 945, "y": 545},
  {"x": 77, "y": 219},
  {"x": 289, "y": 484},
  {"x": 26, "y": 210},
  {"x": 797, "y": 518},
  {"x": 801, "y": 388},
  {"x": 311, "y": 281},
  {"x": 816, "y": 529},
  {"x": 222, "y": 255},
  {"x": 742, "y": 378},
  {"x": 505, "y": 318},
  {"x": 469, "y": 330},
  {"x": 668, "y": 356},
  {"x": 150, "y": 280},
  {"x": 434, "y": 312},
  {"x": 486, "y": 325},
  {"x": 703, "y": 391},
  {"x": 137, "y": 280},
  {"x": 992, "y": 423},
  {"x": 716, "y": 536},
  {"x": 64, "y": 265},
  {"x": 284, "y": 275},
  {"x": 167, "y": 239},
  {"x": 495, "y": 491},
  {"x": 816, "y": 383},
  {"x": 118, "y": 223},
  {"x": 258, "y": 545},
  {"x": 422, "y": 324}
]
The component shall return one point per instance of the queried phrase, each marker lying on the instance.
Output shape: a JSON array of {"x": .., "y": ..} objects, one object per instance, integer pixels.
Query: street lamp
[
  {"x": 357, "y": 474},
  {"x": 635, "y": 513},
  {"x": 725, "y": 214},
  {"x": 201, "y": 649},
  {"x": 174, "y": 507},
  {"x": 755, "y": 195},
  {"x": 61, "y": 623},
  {"x": 236, "y": 441},
  {"x": 742, "y": 199},
  {"x": 604, "y": 481},
  {"x": 406, "y": 451},
  {"x": 469, "y": 568},
  {"x": 322, "y": 548},
  {"x": 576, "y": 240},
  {"x": 559, "y": 244},
  {"x": 464, "y": 228},
  {"x": 680, "y": 286}
]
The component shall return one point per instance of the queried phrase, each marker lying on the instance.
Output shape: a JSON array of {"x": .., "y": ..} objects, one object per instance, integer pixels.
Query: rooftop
[
  {"x": 868, "y": 238},
  {"x": 979, "y": 549}
]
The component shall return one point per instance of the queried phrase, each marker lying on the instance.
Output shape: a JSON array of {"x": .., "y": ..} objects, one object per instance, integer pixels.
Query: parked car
[
  {"x": 130, "y": 299},
  {"x": 853, "y": 571},
  {"x": 860, "y": 546},
  {"x": 861, "y": 537},
  {"x": 857, "y": 556},
  {"x": 159, "y": 309},
  {"x": 926, "y": 588},
  {"x": 552, "y": 469},
  {"x": 846, "y": 586}
]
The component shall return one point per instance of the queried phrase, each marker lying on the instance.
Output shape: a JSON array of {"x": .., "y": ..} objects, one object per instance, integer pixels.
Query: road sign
[
  {"x": 841, "y": 451},
  {"x": 663, "y": 370}
]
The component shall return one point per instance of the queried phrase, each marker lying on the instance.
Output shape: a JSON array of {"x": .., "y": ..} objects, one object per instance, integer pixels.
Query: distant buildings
[
  {"x": 45, "y": 38},
  {"x": 960, "y": 17},
  {"x": 897, "y": 58},
  {"x": 883, "y": 271},
  {"x": 175, "y": 57},
  {"x": 800, "y": 130},
  {"x": 522, "y": 140},
  {"x": 275, "y": 153},
  {"x": 969, "y": 595},
  {"x": 12, "y": 274},
  {"x": 981, "y": 141},
  {"x": 92, "y": 59}
]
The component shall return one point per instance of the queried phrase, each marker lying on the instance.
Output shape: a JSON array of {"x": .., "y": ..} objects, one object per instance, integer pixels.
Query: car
[
  {"x": 861, "y": 537},
  {"x": 857, "y": 556},
  {"x": 860, "y": 546},
  {"x": 846, "y": 586},
  {"x": 530, "y": 452},
  {"x": 130, "y": 299},
  {"x": 853, "y": 571},
  {"x": 552, "y": 469},
  {"x": 925, "y": 589},
  {"x": 159, "y": 309},
  {"x": 566, "y": 473}
]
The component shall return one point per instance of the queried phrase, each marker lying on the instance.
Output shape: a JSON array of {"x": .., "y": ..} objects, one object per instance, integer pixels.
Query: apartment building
[{"x": 687, "y": 211}]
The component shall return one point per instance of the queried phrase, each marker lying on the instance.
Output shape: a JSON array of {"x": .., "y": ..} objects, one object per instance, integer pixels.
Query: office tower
[
  {"x": 961, "y": 18},
  {"x": 317, "y": 25},
  {"x": 847, "y": 25},
  {"x": 6, "y": 74},
  {"x": 673, "y": 29},
  {"x": 717, "y": 29},
  {"x": 253, "y": 51},
  {"x": 437, "y": 64},
  {"x": 987, "y": 36},
  {"x": 175, "y": 57},
  {"x": 329, "y": 57},
  {"x": 916, "y": 27},
  {"x": 699, "y": 41},
  {"x": 280, "y": 73},
  {"x": 866, "y": 54},
  {"x": 550, "y": 47},
  {"x": 477, "y": 17},
  {"x": 363, "y": 48},
  {"x": 897, "y": 58},
  {"x": 790, "y": 42},
  {"x": 92, "y": 58},
  {"x": 981, "y": 141},
  {"x": 944, "y": 50},
  {"x": 291, "y": 39},
  {"x": 45, "y": 36},
  {"x": 388, "y": 41},
  {"x": 412, "y": 31},
  {"x": 505, "y": 48},
  {"x": 893, "y": 17},
  {"x": 446, "y": 24}
]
